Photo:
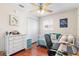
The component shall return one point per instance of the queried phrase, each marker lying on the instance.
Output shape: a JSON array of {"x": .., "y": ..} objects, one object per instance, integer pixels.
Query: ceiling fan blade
[
  {"x": 34, "y": 4},
  {"x": 45, "y": 6},
  {"x": 48, "y": 11},
  {"x": 34, "y": 10}
]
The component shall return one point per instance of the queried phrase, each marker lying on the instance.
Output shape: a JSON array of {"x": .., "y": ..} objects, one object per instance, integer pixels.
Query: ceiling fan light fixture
[{"x": 40, "y": 12}]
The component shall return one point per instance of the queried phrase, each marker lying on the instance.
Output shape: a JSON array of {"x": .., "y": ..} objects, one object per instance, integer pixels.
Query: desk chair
[{"x": 52, "y": 48}]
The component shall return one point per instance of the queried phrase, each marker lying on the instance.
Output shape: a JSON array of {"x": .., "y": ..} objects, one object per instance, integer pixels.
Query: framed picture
[
  {"x": 13, "y": 20},
  {"x": 63, "y": 23}
]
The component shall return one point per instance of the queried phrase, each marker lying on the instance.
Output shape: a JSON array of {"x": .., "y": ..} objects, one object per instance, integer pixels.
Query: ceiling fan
[{"x": 42, "y": 7}]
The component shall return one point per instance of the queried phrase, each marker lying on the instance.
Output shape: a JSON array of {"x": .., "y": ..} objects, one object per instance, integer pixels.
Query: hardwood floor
[{"x": 34, "y": 51}]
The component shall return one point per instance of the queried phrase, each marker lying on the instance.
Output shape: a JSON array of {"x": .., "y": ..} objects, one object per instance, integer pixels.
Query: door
[{"x": 33, "y": 29}]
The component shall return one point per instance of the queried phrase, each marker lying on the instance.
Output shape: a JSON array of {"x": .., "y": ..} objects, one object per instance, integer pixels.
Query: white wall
[
  {"x": 55, "y": 19},
  {"x": 78, "y": 22}
]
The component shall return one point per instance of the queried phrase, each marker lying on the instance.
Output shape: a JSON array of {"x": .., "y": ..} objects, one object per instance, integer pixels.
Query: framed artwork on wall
[
  {"x": 13, "y": 21},
  {"x": 64, "y": 23}
]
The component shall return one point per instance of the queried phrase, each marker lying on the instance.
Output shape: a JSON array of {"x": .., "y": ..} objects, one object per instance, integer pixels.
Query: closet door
[{"x": 33, "y": 29}]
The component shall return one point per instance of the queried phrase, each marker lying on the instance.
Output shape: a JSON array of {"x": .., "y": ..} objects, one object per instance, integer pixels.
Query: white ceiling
[
  {"x": 55, "y": 7},
  {"x": 60, "y": 7}
]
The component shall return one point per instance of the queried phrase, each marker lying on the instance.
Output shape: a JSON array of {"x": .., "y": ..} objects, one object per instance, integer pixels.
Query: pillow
[{"x": 53, "y": 36}]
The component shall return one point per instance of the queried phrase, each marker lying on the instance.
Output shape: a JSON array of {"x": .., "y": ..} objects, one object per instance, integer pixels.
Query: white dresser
[{"x": 14, "y": 43}]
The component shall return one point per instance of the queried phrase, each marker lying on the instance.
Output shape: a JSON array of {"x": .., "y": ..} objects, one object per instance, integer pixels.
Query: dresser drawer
[
  {"x": 11, "y": 42},
  {"x": 18, "y": 44},
  {"x": 11, "y": 38},
  {"x": 18, "y": 41},
  {"x": 17, "y": 37},
  {"x": 18, "y": 48},
  {"x": 10, "y": 47},
  {"x": 11, "y": 51}
]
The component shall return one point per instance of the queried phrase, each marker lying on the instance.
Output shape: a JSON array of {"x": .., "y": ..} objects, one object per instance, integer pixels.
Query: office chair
[{"x": 51, "y": 49}]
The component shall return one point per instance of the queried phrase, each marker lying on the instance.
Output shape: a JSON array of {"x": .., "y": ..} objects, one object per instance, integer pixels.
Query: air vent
[{"x": 20, "y": 5}]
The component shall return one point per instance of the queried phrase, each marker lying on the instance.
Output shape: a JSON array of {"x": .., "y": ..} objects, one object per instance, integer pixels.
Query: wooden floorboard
[{"x": 34, "y": 51}]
